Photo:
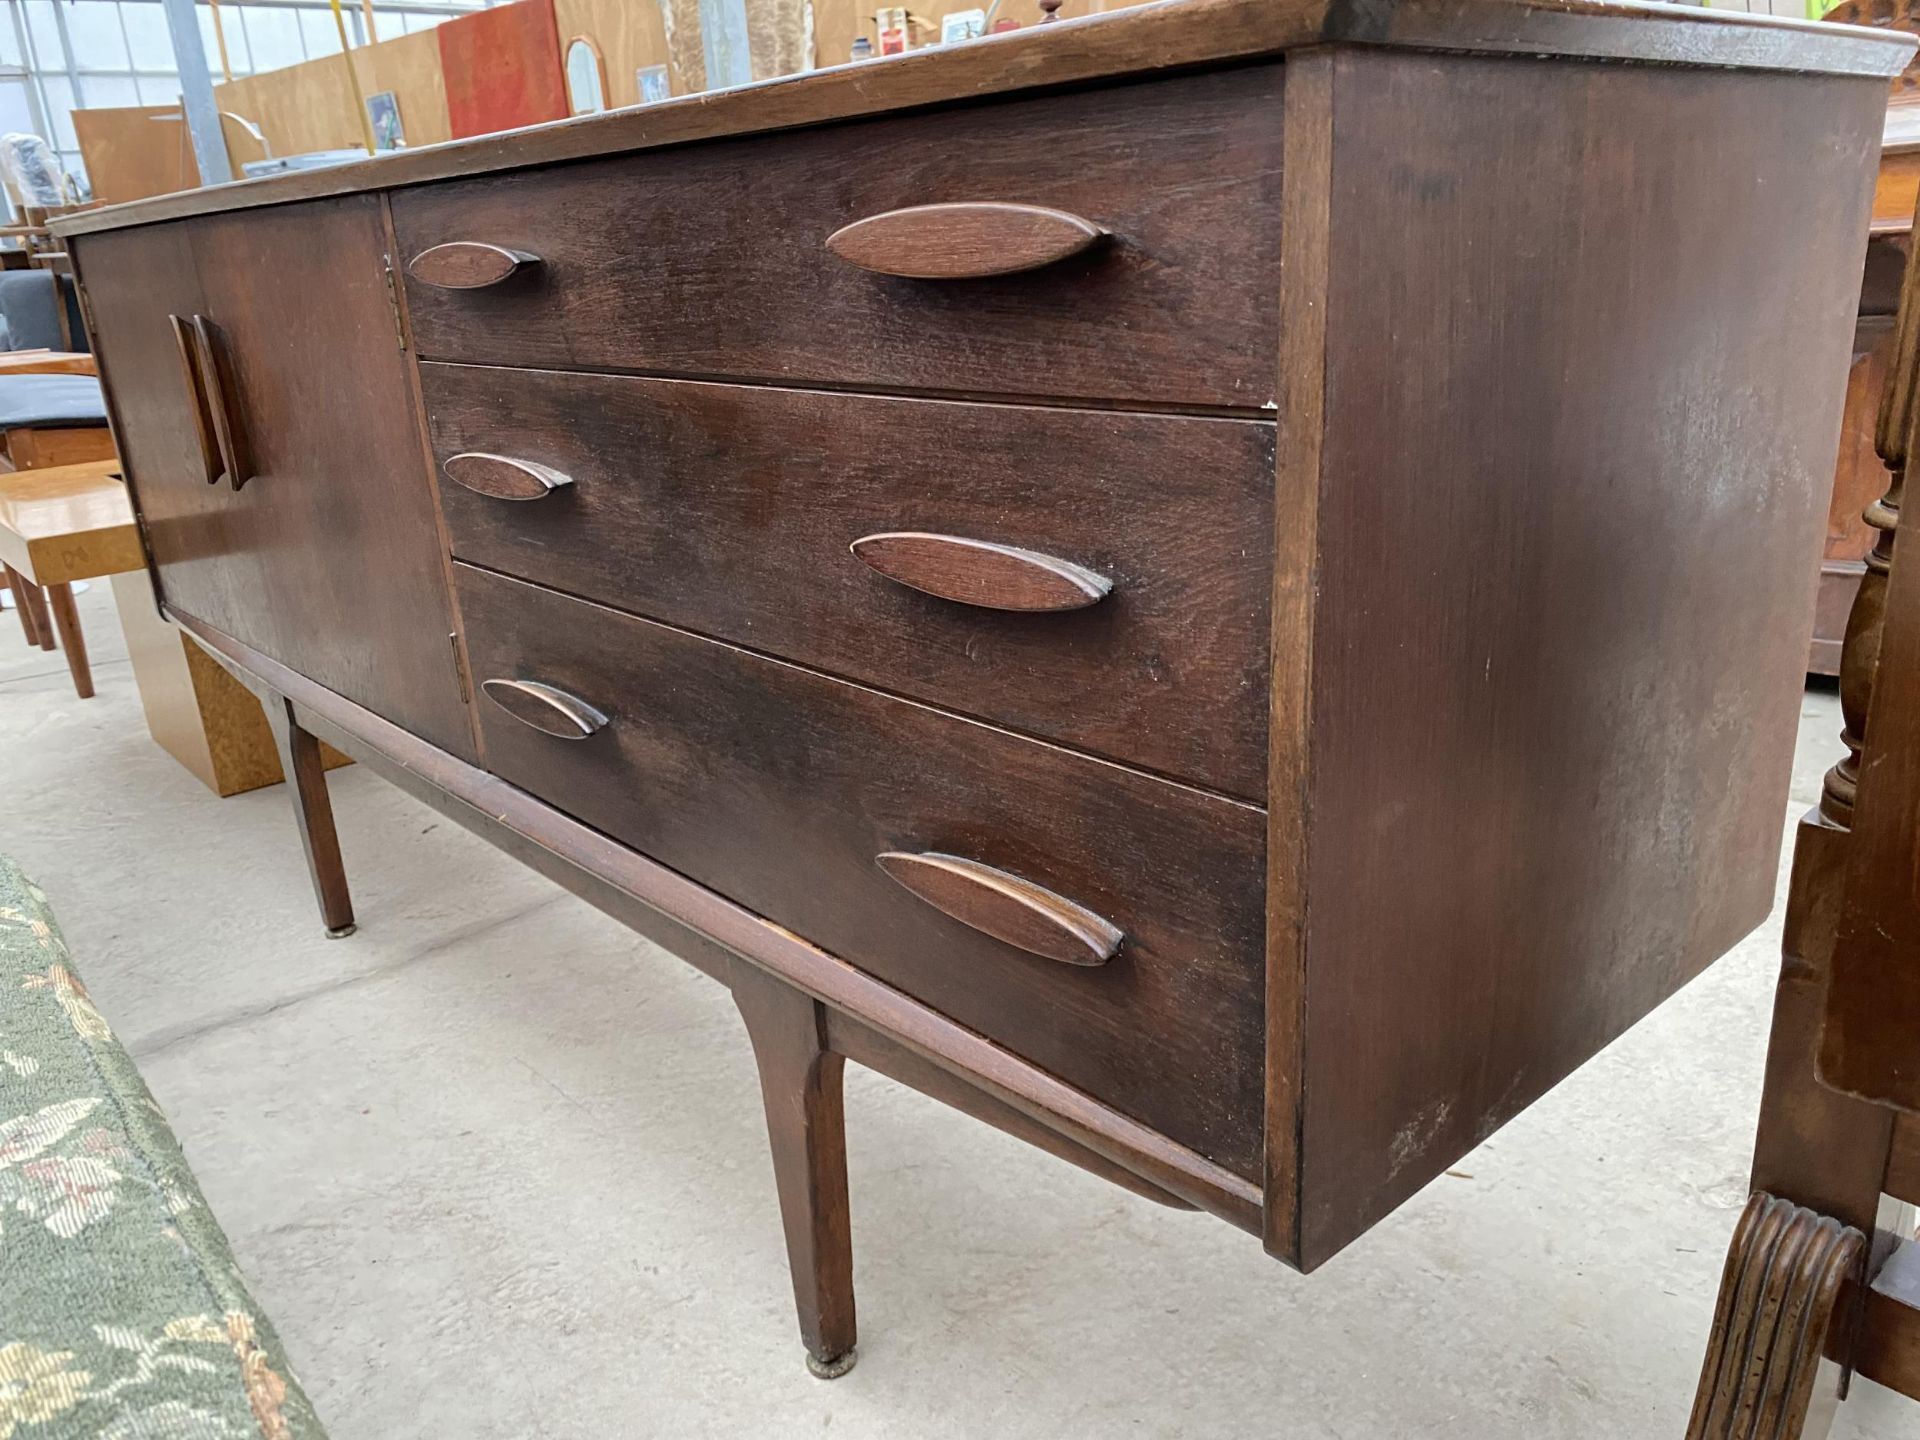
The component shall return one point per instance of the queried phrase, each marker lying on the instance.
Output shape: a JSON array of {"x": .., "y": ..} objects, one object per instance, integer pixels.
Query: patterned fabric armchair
[{"x": 122, "y": 1316}]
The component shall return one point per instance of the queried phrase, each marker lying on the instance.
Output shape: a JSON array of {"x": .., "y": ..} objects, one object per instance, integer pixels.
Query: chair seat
[{"x": 50, "y": 402}]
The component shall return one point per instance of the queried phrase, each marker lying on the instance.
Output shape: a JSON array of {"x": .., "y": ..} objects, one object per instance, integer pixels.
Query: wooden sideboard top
[{"x": 1152, "y": 38}]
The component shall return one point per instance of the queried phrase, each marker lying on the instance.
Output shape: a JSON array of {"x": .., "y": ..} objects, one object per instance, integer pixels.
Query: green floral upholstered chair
[{"x": 122, "y": 1316}]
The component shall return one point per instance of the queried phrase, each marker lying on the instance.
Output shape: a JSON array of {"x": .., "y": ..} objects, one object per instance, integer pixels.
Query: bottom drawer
[{"x": 782, "y": 788}]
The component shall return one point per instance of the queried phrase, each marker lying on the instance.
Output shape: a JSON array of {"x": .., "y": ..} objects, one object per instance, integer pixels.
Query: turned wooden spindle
[
  {"x": 1860, "y": 648},
  {"x": 1049, "y": 10}
]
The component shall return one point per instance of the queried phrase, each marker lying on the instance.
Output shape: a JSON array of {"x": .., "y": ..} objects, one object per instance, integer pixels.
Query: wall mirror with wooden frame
[{"x": 586, "y": 77}]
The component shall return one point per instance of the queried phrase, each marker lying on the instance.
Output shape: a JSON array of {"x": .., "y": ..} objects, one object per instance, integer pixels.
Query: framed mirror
[{"x": 586, "y": 77}]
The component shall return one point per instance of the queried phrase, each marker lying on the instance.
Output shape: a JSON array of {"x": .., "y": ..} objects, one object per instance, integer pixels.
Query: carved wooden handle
[
  {"x": 502, "y": 476},
  {"x": 545, "y": 708},
  {"x": 1006, "y": 907},
  {"x": 468, "y": 264},
  {"x": 979, "y": 572},
  {"x": 211, "y": 463},
  {"x": 229, "y": 430},
  {"x": 963, "y": 241}
]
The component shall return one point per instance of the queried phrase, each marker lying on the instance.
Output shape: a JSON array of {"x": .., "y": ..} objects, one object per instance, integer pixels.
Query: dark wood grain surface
[
  {"x": 706, "y": 929},
  {"x": 1563, "y": 569},
  {"x": 329, "y": 559},
  {"x": 730, "y": 510},
  {"x": 714, "y": 262},
  {"x": 780, "y": 787},
  {"x": 1167, "y": 37}
]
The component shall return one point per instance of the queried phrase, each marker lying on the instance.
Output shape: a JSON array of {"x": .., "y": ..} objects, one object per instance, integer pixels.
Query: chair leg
[
  {"x": 34, "y": 602},
  {"x": 17, "y": 584},
  {"x": 66, "y": 619},
  {"x": 1785, "y": 1273},
  {"x": 306, "y": 778},
  {"x": 806, "y": 1125}
]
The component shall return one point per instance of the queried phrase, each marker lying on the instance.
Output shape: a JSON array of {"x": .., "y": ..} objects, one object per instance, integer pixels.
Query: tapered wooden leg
[
  {"x": 66, "y": 619},
  {"x": 307, "y": 784},
  {"x": 17, "y": 585},
  {"x": 33, "y": 600},
  {"x": 1785, "y": 1273},
  {"x": 806, "y": 1123}
]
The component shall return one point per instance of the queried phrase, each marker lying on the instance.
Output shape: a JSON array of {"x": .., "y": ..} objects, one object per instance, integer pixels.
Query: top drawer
[{"x": 712, "y": 260}]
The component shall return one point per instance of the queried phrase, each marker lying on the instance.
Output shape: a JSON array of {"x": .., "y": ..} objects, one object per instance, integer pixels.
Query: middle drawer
[{"x": 800, "y": 523}]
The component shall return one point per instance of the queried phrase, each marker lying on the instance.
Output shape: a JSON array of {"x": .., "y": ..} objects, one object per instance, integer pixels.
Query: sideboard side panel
[{"x": 1588, "y": 333}]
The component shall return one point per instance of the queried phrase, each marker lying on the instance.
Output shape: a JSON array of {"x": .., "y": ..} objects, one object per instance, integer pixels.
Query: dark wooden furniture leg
[
  {"x": 33, "y": 602},
  {"x": 18, "y": 584},
  {"x": 307, "y": 783},
  {"x": 806, "y": 1124},
  {"x": 67, "y": 620}
]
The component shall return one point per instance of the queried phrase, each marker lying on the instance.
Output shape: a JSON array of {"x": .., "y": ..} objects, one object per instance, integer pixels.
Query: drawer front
[
  {"x": 782, "y": 788},
  {"x": 713, "y": 260},
  {"x": 735, "y": 510}
]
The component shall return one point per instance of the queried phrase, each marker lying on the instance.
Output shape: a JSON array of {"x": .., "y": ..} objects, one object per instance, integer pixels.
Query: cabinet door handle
[
  {"x": 502, "y": 476},
  {"x": 212, "y": 464},
  {"x": 545, "y": 708},
  {"x": 217, "y": 375},
  {"x": 963, "y": 241},
  {"x": 979, "y": 572},
  {"x": 468, "y": 264},
  {"x": 1010, "y": 909}
]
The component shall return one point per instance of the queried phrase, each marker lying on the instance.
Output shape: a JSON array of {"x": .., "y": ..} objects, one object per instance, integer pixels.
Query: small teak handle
[
  {"x": 966, "y": 240},
  {"x": 545, "y": 708},
  {"x": 211, "y": 462},
  {"x": 502, "y": 476},
  {"x": 468, "y": 264},
  {"x": 979, "y": 572},
  {"x": 229, "y": 431},
  {"x": 1010, "y": 909}
]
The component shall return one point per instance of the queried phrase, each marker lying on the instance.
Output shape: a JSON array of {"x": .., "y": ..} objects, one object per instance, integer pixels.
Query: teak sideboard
[{"x": 1222, "y": 587}]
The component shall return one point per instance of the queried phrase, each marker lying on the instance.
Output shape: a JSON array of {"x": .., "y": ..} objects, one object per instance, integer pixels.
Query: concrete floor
[{"x": 496, "y": 1167}]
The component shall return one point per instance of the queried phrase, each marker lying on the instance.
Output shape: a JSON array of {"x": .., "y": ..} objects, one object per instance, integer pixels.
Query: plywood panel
[
  {"x": 631, "y": 34},
  {"x": 133, "y": 151},
  {"x": 502, "y": 68},
  {"x": 314, "y": 106}
]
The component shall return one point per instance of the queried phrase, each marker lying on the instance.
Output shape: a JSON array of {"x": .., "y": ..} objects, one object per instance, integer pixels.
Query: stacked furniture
[{"x": 1221, "y": 587}]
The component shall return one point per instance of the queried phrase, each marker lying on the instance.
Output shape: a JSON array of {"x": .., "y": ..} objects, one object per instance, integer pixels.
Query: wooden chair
[
  {"x": 1822, "y": 1280},
  {"x": 59, "y": 525}
]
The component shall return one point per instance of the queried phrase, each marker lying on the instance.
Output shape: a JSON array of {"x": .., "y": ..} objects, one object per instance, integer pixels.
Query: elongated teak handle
[
  {"x": 980, "y": 572},
  {"x": 1005, "y": 906},
  {"x": 965, "y": 240},
  {"x": 545, "y": 707},
  {"x": 212, "y": 464},
  {"x": 229, "y": 428},
  {"x": 503, "y": 477},
  {"x": 468, "y": 264}
]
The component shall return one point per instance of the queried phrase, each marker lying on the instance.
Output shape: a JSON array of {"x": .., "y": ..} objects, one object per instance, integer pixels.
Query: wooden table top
[
  {"x": 46, "y": 362},
  {"x": 70, "y": 522}
]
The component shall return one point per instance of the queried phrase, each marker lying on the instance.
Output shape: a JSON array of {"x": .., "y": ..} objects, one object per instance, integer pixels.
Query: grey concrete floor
[{"x": 496, "y": 1166}]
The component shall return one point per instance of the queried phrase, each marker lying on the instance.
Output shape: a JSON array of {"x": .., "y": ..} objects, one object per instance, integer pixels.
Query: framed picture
[
  {"x": 653, "y": 83},
  {"x": 384, "y": 111}
]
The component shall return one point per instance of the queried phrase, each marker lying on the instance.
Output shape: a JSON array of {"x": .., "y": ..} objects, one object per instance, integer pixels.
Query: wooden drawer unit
[
  {"x": 715, "y": 261},
  {"x": 736, "y": 511},
  {"x": 780, "y": 788},
  {"x": 1409, "y": 502}
]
